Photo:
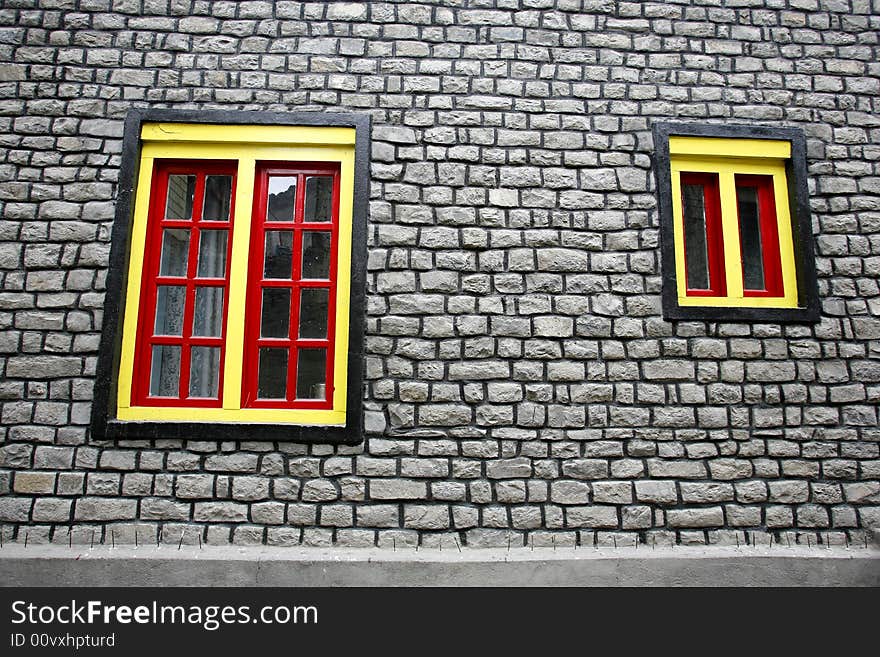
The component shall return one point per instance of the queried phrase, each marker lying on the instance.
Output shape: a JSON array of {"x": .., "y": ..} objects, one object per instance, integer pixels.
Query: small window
[
  {"x": 234, "y": 308},
  {"x": 735, "y": 225}
]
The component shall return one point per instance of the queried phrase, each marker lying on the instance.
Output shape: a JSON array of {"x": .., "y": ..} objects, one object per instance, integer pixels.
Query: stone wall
[{"x": 522, "y": 386}]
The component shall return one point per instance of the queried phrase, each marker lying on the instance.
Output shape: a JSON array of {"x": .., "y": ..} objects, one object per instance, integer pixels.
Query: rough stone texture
[
  {"x": 619, "y": 563},
  {"x": 522, "y": 384}
]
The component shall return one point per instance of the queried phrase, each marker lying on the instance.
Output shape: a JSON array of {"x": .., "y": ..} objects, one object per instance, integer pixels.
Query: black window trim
[
  {"x": 808, "y": 309},
  {"x": 104, "y": 422}
]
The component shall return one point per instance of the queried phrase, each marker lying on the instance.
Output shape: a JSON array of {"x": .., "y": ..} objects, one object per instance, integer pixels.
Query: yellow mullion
[
  {"x": 343, "y": 282},
  {"x": 138, "y": 250},
  {"x": 786, "y": 243},
  {"x": 238, "y": 281},
  {"x": 678, "y": 235},
  {"x": 730, "y": 230}
]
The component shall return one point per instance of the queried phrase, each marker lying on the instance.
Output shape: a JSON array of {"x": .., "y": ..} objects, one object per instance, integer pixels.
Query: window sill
[{"x": 229, "y": 431}]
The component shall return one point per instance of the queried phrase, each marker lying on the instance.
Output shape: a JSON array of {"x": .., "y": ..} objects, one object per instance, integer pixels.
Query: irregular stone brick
[
  {"x": 220, "y": 512},
  {"x": 569, "y": 492},
  {"x": 516, "y": 468},
  {"x": 592, "y": 516},
  {"x": 397, "y": 489},
  {"x": 194, "y": 486},
  {"x": 34, "y": 482},
  {"x": 154, "y": 508},
  {"x": 426, "y": 517},
  {"x": 708, "y": 517},
  {"x": 105, "y": 508},
  {"x": 15, "y": 509}
]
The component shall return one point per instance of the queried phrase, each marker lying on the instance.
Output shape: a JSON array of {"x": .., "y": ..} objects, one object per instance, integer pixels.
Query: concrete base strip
[{"x": 52, "y": 565}]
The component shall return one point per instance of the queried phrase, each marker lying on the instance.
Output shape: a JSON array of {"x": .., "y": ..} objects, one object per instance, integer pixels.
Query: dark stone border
[
  {"x": 104, "y": 422},
  {"x": 802, "y": 233}
]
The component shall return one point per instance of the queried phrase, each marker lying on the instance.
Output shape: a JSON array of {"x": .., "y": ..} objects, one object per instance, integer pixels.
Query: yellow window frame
[
  {"x": 246, "y": 144},
  {"x": 727, "y": 157}
]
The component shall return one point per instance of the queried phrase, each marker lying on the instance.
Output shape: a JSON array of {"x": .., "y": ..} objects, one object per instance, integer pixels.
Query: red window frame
[
  {"x": 714, "y": 233},
  {"x": 771, "y": 255},
  {"x": 151, "y": 280},
  {"x": 257, "y": 283}
]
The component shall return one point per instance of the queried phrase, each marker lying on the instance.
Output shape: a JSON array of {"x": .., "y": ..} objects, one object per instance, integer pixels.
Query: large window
[
  {"x": 735, "y": 223},
  {"x": 235, "y": 299}
]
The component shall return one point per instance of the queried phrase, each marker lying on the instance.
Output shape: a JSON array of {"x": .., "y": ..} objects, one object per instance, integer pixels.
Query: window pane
[
  {"x": 282, "y": 198},
  {"x": 218, "y": 194},
  {"x": 695, "y": 241},
  {"x": 208, "y": 315},
  {"x": 319, "y": 199},
  {"x": 170, "y": 301},
  {"x": 165, "y": 371},
  {"x": 316, "y": 255},
  {"x": 175, "y": 252},
  {"x": 313, "y": 312},
  {"x": 276, "y": 313},
  {"x": 750, "y": 238},
  {"x": 212, "y": 254},
  {"x": 272, "y": 382},
  {"x": 181, "y": 190},
  {"x": 279, "y": 254},
  {"x": 311, "y": 374},
  {"x": 204, "y": 372}
]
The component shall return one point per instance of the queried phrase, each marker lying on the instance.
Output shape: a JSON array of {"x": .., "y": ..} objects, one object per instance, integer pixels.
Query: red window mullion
[
  {"x": 172, "y": 340},
  {"x": 715, "y": 237},
  {"x": 295, "y": 301},
  {"x": 331, "y": 300},
  {"x": 255, "y": 261},
  {"x": 714, "y": 233},
  {"x": 191, "y": 271},
  {"x": 313, "y": 343},
  {"x": 254, "y": 302},
  {"x": 293, "y": 353},
  {"x": 206, "y": 342},
  {"x": 228, "y": 225},
  {"x": 770, "y": 238}
]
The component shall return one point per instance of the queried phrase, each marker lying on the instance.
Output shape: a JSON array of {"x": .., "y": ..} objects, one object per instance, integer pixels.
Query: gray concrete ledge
[{"x": 53, "y": 565}]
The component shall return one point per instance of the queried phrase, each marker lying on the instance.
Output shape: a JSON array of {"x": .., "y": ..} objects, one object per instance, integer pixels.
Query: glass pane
[
  {"x": 218, "y": 195},
  {"x": 204, "y": 372},
  {"x": 695, "y": 241},
  {"x": 750, "y": 237},
  {"x": 276, "y": 313},
  {"x": 170, "y": 301},
  {"x": 165, "y": 371},
  {"x": 319, "y": 199},
  {"x": 311, "y": 370},
  {"x": 313, "y": 312},
  {"x": 212, "y": 254},
  {"x": 272, "y": 382},
  {"x": 175, "y": 252},
  {"x": 316, "y": 255},
  {"x": 279, "y": 254},
  {"x": 181, "y": 190},
  {"x": 208, "y": 314},
  {"x": 282, "y": 198}
]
